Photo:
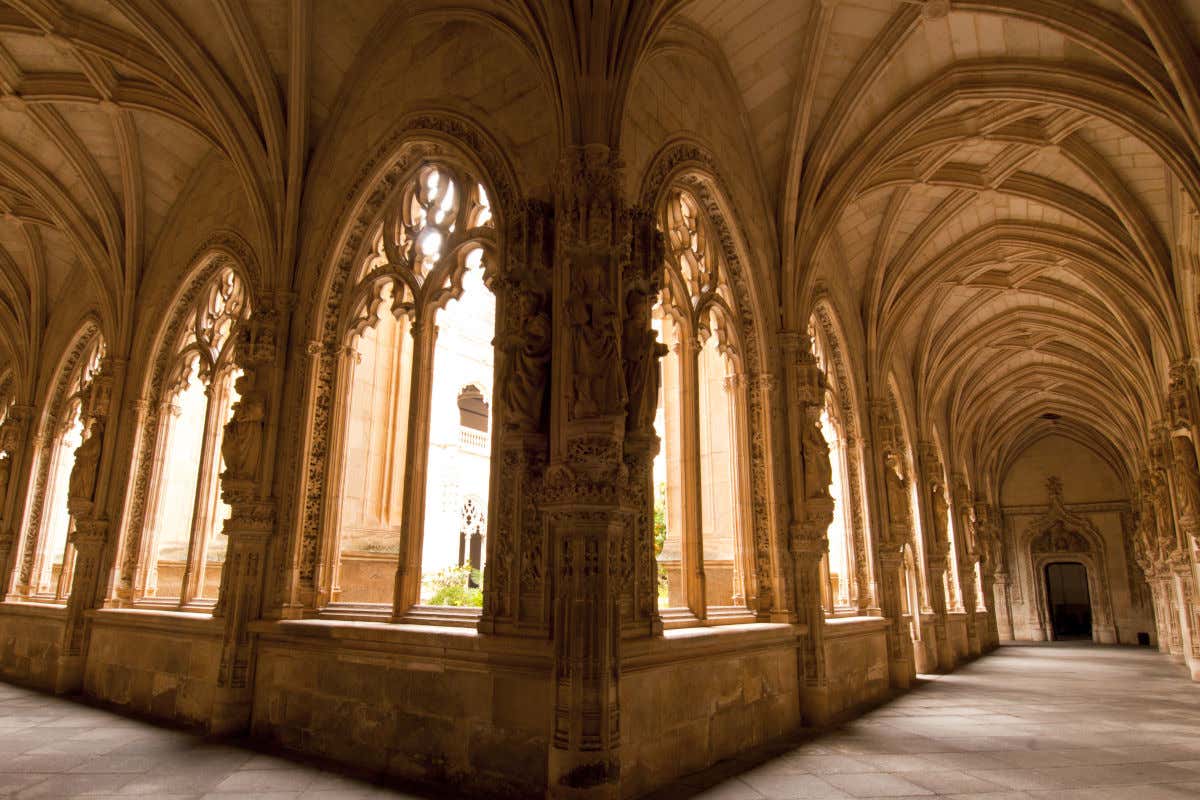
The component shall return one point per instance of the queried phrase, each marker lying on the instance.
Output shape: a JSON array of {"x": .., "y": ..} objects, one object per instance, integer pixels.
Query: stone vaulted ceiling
[
  {"x": 1001, "y": 194},
  {"x": 1004, "y": 191}
]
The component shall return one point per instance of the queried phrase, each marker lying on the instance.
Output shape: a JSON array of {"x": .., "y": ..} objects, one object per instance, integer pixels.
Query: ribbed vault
[
  {"x": 996, "y": 191},
  {"x": 1000, "y": 193}
]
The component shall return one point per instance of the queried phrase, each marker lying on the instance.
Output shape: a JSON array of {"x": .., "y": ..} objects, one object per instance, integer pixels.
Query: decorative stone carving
[
  {"x": 586, "y": 491},
  {"x": 897, "y": 490},
  {"x": 1187, "y": 482},
  {"x": 242, "y": 444},
  {"x": 598, "y": 386},
  {"x": 1059, "y": 540},
  {"x": 82, "y": 484},
  {"x": 1181, "y": 395},
  {"x": 641, "y": 351},
  {"x": 523, "y": 389}
]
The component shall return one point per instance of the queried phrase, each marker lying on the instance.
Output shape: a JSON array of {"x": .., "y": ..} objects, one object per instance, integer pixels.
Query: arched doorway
[{"x": 1069, "y": 601}]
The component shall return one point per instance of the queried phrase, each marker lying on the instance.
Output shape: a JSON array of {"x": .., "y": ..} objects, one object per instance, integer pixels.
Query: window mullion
[
  {"x": 168, "y": 413},
  {"x": 408, "y": 571},
  {"x": 207, "y": 484},
  {"x": 739, "y": 445},
  {"x": 695, "y": 590}
]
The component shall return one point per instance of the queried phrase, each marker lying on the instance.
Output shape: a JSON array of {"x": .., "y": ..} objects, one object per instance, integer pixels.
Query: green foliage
[
  {"x": 452, "y": 587},
  {"x": 660, "y": 518},
  {"x": 660, "y": 537}
]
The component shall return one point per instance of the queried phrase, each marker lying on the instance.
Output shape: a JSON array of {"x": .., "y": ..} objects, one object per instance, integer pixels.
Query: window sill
[
  {"x": 436, "y": 616},
  {"x": 160, "y": 619},
  {"x": 853, "y": 626},
  {"x": 398, "y": 643},
  {"x": 683, "y": 618},
  {"x": 33, "y": 607},
  {"x": 172, "y": 604},
  {"x": 702, "y": 641}
]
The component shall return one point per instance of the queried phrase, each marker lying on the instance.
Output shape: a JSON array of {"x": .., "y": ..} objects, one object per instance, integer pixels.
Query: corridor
[{"x": 1059, "y": 722}]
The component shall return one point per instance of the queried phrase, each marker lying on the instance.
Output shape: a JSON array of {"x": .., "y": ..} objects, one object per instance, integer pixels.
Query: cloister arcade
[{"x": 549, "y": 399}]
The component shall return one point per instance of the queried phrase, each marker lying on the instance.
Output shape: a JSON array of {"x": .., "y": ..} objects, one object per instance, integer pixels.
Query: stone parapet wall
[
  {"x": 155, "y": 664},
  {"x": 856, "y": 661},
  {"x": 31, "y": 643},
  {"x": 437, "y": 706},
  {"x": 697, "y": 697}
]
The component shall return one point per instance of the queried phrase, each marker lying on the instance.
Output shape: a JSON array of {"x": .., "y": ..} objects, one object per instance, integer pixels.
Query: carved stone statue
[
  {"x": 818, "y": 471},
  {"x": 82, "y": 484},
  {"x": 1187, "y": 477},
  {"x": 941, "y": 514},
  {"x": 241, "y": 447},
  {"x": 598, "y": 380},
  {"x": 897, "y": 488},
  {"x": 642, "y": 351},
  {"x": 528, "y": 349}
]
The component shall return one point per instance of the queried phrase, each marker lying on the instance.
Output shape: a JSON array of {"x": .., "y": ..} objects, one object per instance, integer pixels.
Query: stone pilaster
[
  {"x": 89, "y": 534},
  {"x": 937, "y": 549},
  {"x": 245, "y": 483},
  {"x": 987, "y": 538},
  {"x": 15, "y": 452},
  {"x": 967, "y": 553},
  {"x": 812, "y": 513},
  {"x": 516, "y": 582},
  {"x": 1182, "y": 581},
  {"x": 895, "y": 536}
]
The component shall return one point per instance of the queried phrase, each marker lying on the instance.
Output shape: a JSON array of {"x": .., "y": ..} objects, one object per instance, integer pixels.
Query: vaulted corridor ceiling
[{"x": 1005, "y": 190}]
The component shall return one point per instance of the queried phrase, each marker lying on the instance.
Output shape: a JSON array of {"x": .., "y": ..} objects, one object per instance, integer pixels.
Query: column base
[
  {"x": 816, "y": 709},
  {"x": 583, "y": 776},
  {"x": 68, "y": 677},
  {"x": 231, "y": 712},
  {"x": 946, "y": 660},
  {"x": 901, "y": 673}
]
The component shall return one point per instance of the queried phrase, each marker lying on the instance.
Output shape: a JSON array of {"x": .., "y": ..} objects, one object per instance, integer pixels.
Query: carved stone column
[
  {"x": 245, "y": 488},
  {"x": 812, "y": 513},
  {"x": 966, "y": 552},
  {"x": 1189, "y": 614},
  {"x": 516, "y": 582},
  {"x": 89, "y": 533},
  {"x": 895, "y": 535},
  {"x": 987, "y": 537},
  {"x": 15, "y": 455},
  {"x": 595, "y": 496},
  {"x": 937, "y": 549}
]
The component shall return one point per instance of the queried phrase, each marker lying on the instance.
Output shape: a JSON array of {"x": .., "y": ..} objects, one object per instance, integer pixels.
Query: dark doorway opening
[{"x": 1069, "y": 600}]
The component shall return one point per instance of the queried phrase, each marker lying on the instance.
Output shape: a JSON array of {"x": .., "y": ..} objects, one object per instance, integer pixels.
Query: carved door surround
[{"x": 1058, "y": 536}]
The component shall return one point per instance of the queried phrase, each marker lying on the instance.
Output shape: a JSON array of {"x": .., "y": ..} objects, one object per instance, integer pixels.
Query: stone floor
[
  {"x": 51, "y": 747},
  {"x": 1057, "y": 722}
]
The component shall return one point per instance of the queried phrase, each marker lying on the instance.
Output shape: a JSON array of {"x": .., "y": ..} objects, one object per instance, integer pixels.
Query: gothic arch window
[
  {"x": 48, "y": 559},
  {"x": 413, "y": 419},
  {"x": 183, "y": 550},
  {"x": 702, "y": 521}
]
